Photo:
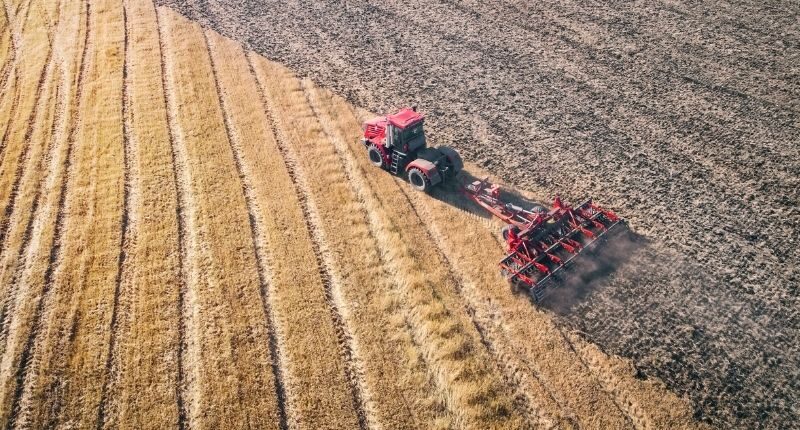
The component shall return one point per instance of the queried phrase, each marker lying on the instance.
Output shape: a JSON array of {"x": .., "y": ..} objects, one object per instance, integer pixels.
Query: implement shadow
[{"x": 591, "y": 272}]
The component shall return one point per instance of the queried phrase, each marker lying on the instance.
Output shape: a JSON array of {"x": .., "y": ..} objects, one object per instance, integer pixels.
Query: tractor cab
[
  {"x": 397, "y": 143},
  {"x": 404, "y": 131}
]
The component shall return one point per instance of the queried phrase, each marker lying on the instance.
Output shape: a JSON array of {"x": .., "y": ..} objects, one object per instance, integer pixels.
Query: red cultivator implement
[{"x": 542, "y": 242}]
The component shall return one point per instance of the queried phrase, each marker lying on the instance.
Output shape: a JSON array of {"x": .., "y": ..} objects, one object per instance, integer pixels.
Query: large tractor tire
[
  {"x": 376, "y": 156},
  {"x": 418, "y": 180},
  {"x": 453, "y": 158}
]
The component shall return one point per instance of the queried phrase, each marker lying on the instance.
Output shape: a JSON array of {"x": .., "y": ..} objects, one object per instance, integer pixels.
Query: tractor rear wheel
[
  {"x": 418, "y": 180},
  {"x": 375, "y": 156},
  {"x": 456, "y": 165}
]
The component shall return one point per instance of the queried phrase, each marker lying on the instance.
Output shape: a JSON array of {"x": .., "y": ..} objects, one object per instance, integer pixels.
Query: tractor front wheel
[
  {"x": 375, "y": 156},
  {"x": 418, "y": 180}
]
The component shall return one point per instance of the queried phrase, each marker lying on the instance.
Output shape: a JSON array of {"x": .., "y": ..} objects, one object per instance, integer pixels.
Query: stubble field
[{"x": 191, "y": 237}]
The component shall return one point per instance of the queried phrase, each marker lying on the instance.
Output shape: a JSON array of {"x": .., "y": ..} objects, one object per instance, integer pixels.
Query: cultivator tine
[
  {"x": 537, "y": 292},
  {"x": 533, "y": 258}
]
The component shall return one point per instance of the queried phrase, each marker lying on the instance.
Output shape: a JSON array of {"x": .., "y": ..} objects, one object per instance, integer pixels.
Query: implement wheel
[
  {"x": 418, "y": 180},
  {"x": 508, "y": 229}
]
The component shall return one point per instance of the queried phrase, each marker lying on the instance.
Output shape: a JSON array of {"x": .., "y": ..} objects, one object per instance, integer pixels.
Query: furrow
[
  {"x": 324, "y": 263},
  {"x": 188, "y": 348},
  {"x": 5, "y": 79},
  {"x": 5, "y": 74},
  {"x": 23, "y": 366},
  {"x": 12, "y": 113},
  {"x": 122, "y": 278}
]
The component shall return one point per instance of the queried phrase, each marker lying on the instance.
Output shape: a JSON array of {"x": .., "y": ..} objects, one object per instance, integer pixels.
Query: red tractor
[{"x": 397, "y": 143}]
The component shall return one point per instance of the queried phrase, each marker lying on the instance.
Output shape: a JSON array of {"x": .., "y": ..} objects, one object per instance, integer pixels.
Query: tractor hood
[
  {"x": 375, "y": 128},
  {"x": 405, "y": 118}
]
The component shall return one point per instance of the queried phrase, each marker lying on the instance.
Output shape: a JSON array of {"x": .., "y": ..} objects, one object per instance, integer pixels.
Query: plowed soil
[{"x": 681, "y": 116}]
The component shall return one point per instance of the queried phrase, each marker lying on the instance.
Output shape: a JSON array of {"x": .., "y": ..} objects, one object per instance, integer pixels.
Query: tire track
[
  {"x": 524, "y": 402},
  {"x": 11, "y": 62},
  {"x": 55, "y": 256},
  {"x": 12, "y": 51},
  {"x": 324, "y": 261},
  {"x": 12, "y": 114},
  {"x": 185, "y": 295},
  {"x": 127, "y": 226},
  {"x": 5, "y": 75},
  {"x": 10, "y": 300},
  {"x": 31, "y": 122},
  {"x": 260, "y": 255},
  {"x": 17, "y": 91}
]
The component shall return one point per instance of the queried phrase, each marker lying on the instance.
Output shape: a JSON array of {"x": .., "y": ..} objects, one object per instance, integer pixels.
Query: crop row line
[
  {"x": 24, "y": 156},
  {"x": 17, "y": 93},
  {"x": 120, "y": 302},
  {"x": 16, "y": 262},
  {"x": 186, "y": 297},
  {"x": 55, "y": 256},
  {"x": 312, "y": 221},
  {"x": 261, "y": 258}
]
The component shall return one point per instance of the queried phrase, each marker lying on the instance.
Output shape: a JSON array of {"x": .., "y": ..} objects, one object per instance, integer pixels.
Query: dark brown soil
[{"x": 683, "y": 117}]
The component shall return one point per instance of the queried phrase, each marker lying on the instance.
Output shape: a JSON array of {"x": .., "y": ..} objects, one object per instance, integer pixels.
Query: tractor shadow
[
  {"x": 452, "y": 194},
  {"x": 592, "y": 272}
]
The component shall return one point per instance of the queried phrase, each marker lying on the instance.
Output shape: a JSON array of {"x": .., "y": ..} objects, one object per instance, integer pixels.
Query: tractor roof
[{"x": 404, "y": 118}]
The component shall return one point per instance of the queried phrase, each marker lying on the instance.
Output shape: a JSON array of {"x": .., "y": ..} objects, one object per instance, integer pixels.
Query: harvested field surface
[
  {"x": 192, "y": 237},
  {"x": 682, "y": 116}
]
